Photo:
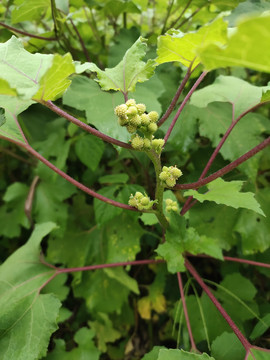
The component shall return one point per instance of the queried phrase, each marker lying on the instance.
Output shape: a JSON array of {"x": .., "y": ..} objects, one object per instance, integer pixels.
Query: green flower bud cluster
[
  {"x": 140, "y": 201},
  {"x": 134, "y": 117},
  {"x": 171, "y": 205},
  {"x": 169, "y": 175}
]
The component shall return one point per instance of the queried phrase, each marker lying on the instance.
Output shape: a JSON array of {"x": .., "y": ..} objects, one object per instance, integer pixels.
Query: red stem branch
[
  {"x": 182, "y": 294},
  {"x": 217, "y": 304},
  {"x": 176, "y": 97},
  {"x": 191, "y": 91},
  {"x": 84, "y": 126},
  {"x": 226, "y": 168},
  {"x": 26, "y": 33},
  {"x": 81, "y": 41},
  {"x": 74, "y": 182}
]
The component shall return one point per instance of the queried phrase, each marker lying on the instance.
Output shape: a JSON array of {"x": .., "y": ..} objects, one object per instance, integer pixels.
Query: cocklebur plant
[{"x": 112, "y": 238}]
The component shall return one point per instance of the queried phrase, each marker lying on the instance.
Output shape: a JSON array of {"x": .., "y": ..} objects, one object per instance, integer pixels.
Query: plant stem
[
  {"x": 176, "y": 97},
  {"x": 181, "y": 14},
  {"x": 217, "y": 304},
  {"x": 74, "y": 182},
  {"x": 191, "y": 91},
  {"x": 87, "y": 57},
  {"x": 26, "y": 33},
  {"x": 167, "y": 17},
  {"x": 155, "y": 158},
  {"x": 226, "y": 168},
  {"x": 84, "y": 126},
  {"x": 182, "y": 294}
]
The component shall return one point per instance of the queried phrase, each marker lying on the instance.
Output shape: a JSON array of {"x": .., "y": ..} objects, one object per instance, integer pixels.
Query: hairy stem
[
  {"x": 84, "y": 126},
  {"x": 226, "y": 168},
  {"x": 176, "y": 97},
  {"x": 11, "y": 28},
  {"x": 191, "y": 91},
  {"x": 217, "y": 304},
  {"x": 182, "y": 294}
]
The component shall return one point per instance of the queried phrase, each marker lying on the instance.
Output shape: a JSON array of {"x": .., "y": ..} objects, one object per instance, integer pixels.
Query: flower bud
[
  {"x": 152, "y": 127},
  {"x": 145, "y": 119},
  {"x": 131, "y": 102},
  {"x": 137, "y": 142},
  {"x": 121, "y": 110},
  {"x": 141, "y": 108},
  {"x": 153, "y": 116}
]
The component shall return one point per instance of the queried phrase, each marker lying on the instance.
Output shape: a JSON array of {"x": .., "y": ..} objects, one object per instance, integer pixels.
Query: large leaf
[
  {"x": 128, "y": 72},
  {"x": 29, "y": 10},
  {"x": 241, "y": 94},
  {"x": 183, "y": 47},
  {"x": 227, "y": 193},
  {"x": 175, "y": 354},
  {"x": 248, "y": 47},
  {"x": 227, "y": 346},
  {"x": 27, "y": 317},
  {"x": 89, "y": 150}
]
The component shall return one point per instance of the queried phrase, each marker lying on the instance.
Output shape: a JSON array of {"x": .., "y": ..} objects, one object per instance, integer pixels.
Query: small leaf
[
  {"x": 29, "y": 10},
  {"x": 227, "y": 346},
  {"x": 89, "y": 150},
  {"x": 114, "y": 179},
  {"x": 227, "y": 193},
  {"x": 247, "y": 47},
  {"x": 259, "y": 354},
  {"x": 5, "y": 89},
  {"x": 183, "y": 47},
  {"x": 128, "y": 72},
  {"x": 175, "y": 354},
  {"x": 261, "y": 327}
]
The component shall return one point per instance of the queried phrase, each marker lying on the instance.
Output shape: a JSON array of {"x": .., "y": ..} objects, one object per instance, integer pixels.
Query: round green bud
[
  {"x": 174, "y": 208},
  {"x": 163, "y": 176},
  {"x": 139, "y": 195},
  {"x": 170, "y": 182},
  {"x": 120, "y": 110},
  {"x": 158, "y": 142},
  {"x": 153, "y": 116},
  {"x": 165, "y": 168},
  {"x": 168, "y": 208},
  {"x": 131, "y": 102},
  {"x": 175, "y": 172},
  {"x": 152, "y": 127},
  {"x": 132, "y": 201},
  {"x": 137, "y": 143},
  {"x": 132, "y": 110},
  {"x": 141, "y": 108},
  {"x": 135, "y": 120},
  {"x": 131, "y": 129},
  {"x": 145, "y": 201},
  {"x": 146, "y": 143},
  {"x": 145, "y": 119},
  {"x": 169, "y": 202},
  {"x": 140, "y": 207},
  {"x": 122, "y": 121}
]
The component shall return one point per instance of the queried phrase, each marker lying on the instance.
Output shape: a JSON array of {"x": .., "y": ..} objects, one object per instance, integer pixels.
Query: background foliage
[{"x": 75, "y": 53}]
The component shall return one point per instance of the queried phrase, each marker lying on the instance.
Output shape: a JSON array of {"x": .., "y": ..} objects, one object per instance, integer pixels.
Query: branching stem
[{"x": 11, "y": 28}]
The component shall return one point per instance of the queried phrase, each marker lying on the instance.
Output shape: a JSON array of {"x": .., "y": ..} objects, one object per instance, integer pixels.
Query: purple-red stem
[
  {"x": 182, "y": 13},
  {"x": 217, "y": 304},
  {"x": 26, "y": 33},
  {"x": 176, "y": 97},
  {"x": 84, "y": 126},
  {"x": 189, "y": 204},
  {"x": 74, "y": 182},
  {"x": 226, "y": 168},
  {"x": 81, "y": 41},
  {"x": 182, "y": 294},
  {"x": 191, "y": 91}
]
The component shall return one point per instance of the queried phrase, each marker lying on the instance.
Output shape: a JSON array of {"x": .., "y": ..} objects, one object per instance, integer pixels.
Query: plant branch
[
  {"x": 176, "y": 96},
  {"x": 182, "y": 294},
  {"x": 84, "y": 126},
  {"x": 181, "y": 14},
  {"x": 226, "y": 168},
  {"x": 167, "y": 17},
  {"x": 11, "y": 28},
  {"x": 81, "y": 41},
  {"x": 217, "y": 304},
  {"x": 191, "y": 16},
  {"x": 191, "y": 91},
  {"x": 189, "y": 204},
  {"x": 74, "y": 182}
]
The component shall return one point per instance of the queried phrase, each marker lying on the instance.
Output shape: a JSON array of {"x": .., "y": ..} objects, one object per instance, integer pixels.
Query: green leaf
[
  {"x": 261, "y": 327},
  {"x": 227, "y": 346},
  {"x": 5, "y": 89},
  {"x": 114, "y": 179},
  {"x": 247, "y": 47},
  {"x": 28, "y": 317},
  {"x": 259, "y": 354},
  {"x": 2, "y": 116},
  {"x": 29, "y": 10},
  {"x": 227, "y": 193},
  {"x": 175, "y": 354},
  {"x": 128, "y": 72},
  {"x": 123, "y": 278},
  {"x": 247, "y": 8},
  {"x": 183, "y": 47},
  {"x": 105, "y": 212},
  {"x": 241, "y": 94},
  {"x": 149, "y": 219},
  {"x": 89, "y": 150},
  {"x": 239, "y": 286},
  {"x": 172, "y": 253},
  {"x": 153, "y": 354},
  {"x": 55, "y": 81},
  {"x": 253, "y": 228}
]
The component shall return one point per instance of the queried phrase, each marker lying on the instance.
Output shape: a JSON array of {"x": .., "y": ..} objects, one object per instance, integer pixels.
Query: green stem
[{"x": 155, "y": 158}]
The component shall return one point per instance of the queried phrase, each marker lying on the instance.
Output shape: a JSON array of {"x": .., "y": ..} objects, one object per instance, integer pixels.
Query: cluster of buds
[
  {"x": 169, "y": 175},
  {"x": 140, "y": 201},
  {"x": 134, "y": 117},
  {"x": 171, "y": 205}
]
